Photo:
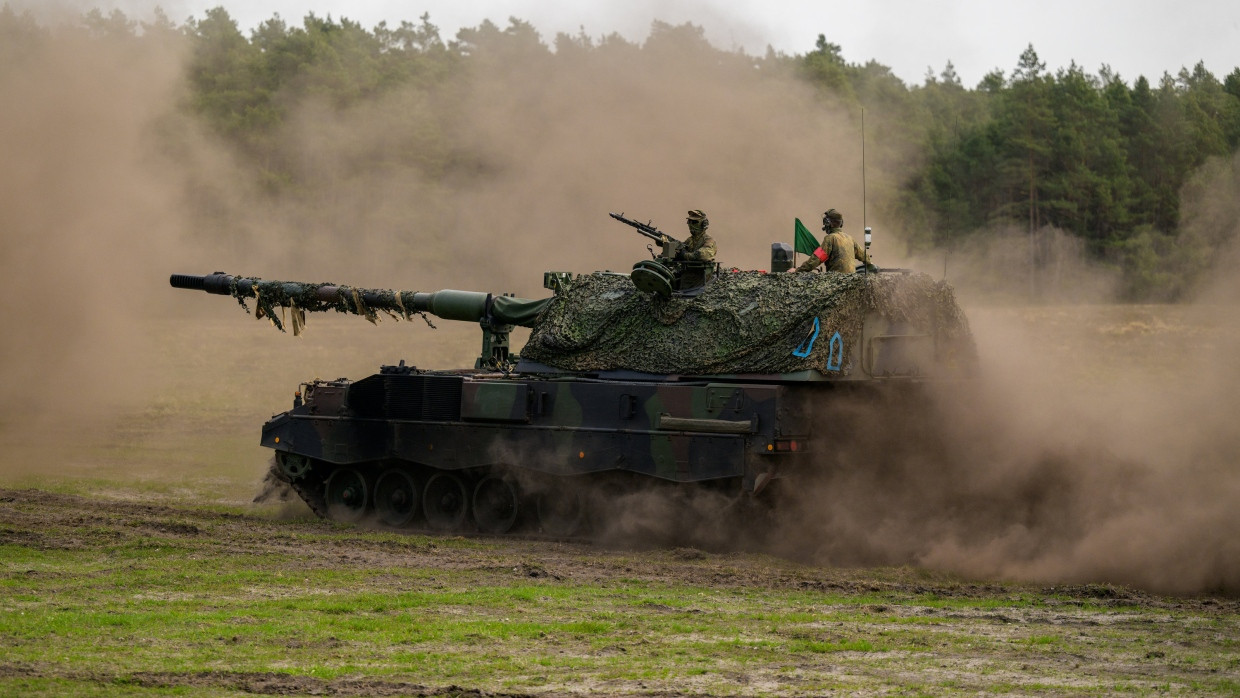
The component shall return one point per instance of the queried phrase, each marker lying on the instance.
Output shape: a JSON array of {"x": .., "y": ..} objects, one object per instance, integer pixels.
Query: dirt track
[
  {"x": 50, "y": 521},
  {"x": 1155, "y": 629}
]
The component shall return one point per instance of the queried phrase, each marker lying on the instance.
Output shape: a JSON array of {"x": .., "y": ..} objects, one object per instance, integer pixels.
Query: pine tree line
[{"x": 1107, "y": 162}]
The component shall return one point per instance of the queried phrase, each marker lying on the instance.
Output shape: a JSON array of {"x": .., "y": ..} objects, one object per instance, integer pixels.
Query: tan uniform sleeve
[
  {"x": 812, "y": 262},
  {"x": 705, "y": 253},
  {"x": 860, "y": 253}
]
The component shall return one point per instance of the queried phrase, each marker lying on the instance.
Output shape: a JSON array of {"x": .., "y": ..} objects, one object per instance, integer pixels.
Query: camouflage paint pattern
[{"x": 554, "y": 427}]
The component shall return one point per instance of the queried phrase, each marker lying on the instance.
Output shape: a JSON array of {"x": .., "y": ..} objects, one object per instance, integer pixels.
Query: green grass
[{"x": 95, "y": 608}]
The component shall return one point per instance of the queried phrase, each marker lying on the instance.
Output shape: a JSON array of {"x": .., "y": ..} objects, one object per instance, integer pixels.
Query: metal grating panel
[
  {"x": 442, "y": 398},
  {"x": 403, "y": 397},
  {"x": 434, "y": 398}
]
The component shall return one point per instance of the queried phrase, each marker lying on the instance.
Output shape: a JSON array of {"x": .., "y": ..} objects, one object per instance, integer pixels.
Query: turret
[{"x": 760, "y": 326}]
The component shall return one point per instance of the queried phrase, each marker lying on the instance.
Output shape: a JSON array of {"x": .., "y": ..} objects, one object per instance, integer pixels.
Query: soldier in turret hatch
[
  {"x": 700, "y": 247},
  {"x": 697, "y": 252},
  {"x": 838, "y": 250}
]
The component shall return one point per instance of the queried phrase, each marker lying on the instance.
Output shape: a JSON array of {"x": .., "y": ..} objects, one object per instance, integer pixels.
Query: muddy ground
[{"x": 1167, "y": 643}]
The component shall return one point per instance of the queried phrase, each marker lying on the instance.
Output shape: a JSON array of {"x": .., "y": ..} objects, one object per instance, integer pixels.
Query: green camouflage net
[{"x": 743, "y": 322}]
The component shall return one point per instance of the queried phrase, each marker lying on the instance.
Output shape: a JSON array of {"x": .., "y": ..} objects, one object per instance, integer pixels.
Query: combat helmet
[
  {"x": 832, "y": 220},
  {"x": 697, "y": 216}
]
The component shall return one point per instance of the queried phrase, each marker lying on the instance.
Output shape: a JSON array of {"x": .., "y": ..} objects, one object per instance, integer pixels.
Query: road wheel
[
  {"x": 561, "y": 511},
  {"x": 496, "y": 504},
  {"x": 445, "y": 501},
  {"x": 347, "y": 495},
  {"x": 396, "y": 497}
]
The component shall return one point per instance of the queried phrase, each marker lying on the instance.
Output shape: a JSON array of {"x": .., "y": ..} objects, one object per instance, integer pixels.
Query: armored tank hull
[
  {"x": 730, "y": 392},
  {"x": 474, "y": 449}
]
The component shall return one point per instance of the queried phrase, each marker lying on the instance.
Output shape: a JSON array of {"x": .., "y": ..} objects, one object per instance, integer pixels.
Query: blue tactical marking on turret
[
  {"x": 835, "y": 353},
  {"x": 808, "y": 345}
]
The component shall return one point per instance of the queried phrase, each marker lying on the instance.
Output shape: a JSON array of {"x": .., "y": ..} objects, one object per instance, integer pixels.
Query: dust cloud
[
  {"x": 107, "y": 186},
  {"x": 87, "y": 218},
  {"x": 539, "y": 155},
  {"x": 1006, "y": 264},
  {"x": 1097, "y": 445}
]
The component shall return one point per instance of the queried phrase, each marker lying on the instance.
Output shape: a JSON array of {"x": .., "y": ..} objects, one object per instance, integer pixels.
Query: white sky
[{"x": 1135, "y": 37}]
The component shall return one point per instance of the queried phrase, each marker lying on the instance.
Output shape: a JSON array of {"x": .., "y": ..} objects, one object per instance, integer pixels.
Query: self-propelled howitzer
[{"x": 731, "y": 391}]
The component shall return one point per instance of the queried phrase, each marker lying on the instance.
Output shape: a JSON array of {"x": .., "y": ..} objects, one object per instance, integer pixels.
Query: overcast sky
[{"x": 1135, "y": 37}]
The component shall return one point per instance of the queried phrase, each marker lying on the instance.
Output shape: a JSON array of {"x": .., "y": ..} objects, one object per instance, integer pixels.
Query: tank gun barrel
[{"x": 449, "y": 304}]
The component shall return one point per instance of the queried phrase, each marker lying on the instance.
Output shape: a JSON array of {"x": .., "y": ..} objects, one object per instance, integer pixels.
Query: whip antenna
[{"x": 863, "y": 212}]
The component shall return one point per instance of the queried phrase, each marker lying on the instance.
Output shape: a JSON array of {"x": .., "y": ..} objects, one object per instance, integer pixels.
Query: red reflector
[{"x": 794, "y": 445}]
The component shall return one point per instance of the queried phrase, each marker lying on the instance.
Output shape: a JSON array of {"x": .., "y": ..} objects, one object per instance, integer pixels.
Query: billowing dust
[
  {"x": 1099, "y": 443},
  {"x": 88, "y": 215},
  {"x": 1041, "y": 469},
  {"x": 108, "y": 185}
]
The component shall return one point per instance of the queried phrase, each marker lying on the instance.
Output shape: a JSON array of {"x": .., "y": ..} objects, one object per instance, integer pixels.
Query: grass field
[
  {"x": 132, "y": 563},
  {"x": 104, "y": 596}
]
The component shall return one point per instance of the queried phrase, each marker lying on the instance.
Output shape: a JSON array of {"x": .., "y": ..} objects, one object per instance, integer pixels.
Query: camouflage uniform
[
  {"x": 838, "y": 249},
  {"x": 700, "y": 247}
]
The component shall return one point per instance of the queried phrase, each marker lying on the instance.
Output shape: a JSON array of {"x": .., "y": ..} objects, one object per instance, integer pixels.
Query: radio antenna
[
  {"x": 865, "y": 227},
  {"x": 863, "y": 220}
]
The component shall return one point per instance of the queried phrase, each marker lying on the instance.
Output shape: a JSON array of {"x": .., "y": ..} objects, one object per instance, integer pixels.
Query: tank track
[
  {"x": 312, "y": 496},
  {"x": 743, "y": 518}
]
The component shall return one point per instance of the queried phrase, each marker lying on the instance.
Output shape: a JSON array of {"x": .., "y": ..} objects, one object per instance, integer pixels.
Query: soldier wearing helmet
[
  {"x": 700, "y": 247},
  {"x": 838, "y": 249},
  {"x": 696, "y": 255}
]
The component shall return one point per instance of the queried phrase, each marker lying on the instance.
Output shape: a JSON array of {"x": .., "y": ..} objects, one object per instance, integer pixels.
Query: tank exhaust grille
[
  {"x": 433, "y": 398},
  {"x": 442, "y": 398}
]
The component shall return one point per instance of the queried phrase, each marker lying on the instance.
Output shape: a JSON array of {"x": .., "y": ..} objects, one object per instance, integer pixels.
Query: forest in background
[{"x": 1138, "y": 177}]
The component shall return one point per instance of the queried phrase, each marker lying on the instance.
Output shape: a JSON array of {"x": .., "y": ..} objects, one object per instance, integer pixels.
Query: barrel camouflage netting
[{"x": 743, "y": 322}]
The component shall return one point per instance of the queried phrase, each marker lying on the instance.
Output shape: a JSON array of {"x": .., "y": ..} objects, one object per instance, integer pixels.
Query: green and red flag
[{"x": 806, "y": 243}]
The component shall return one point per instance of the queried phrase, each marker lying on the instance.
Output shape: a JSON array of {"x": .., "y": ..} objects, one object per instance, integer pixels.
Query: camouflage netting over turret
[{"x": 743, "y": 322}]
